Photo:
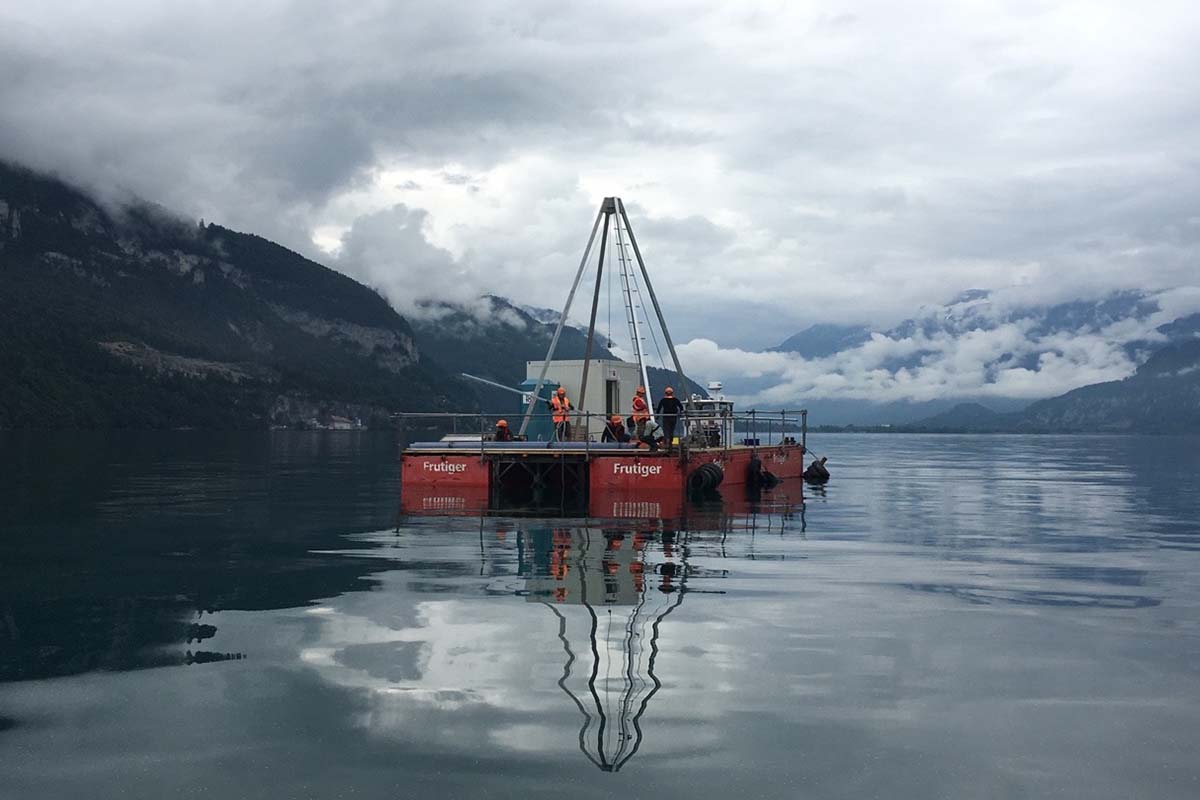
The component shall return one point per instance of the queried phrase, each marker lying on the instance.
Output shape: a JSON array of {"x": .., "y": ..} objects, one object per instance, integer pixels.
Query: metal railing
[{"x": 694, "y": 429}]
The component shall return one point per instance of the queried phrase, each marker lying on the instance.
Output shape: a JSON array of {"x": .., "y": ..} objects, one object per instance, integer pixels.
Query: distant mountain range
[
  {"x": 975, "y": 311},
  {"x": 133, "y": 318},
  {"x": 819, "y": 341}
]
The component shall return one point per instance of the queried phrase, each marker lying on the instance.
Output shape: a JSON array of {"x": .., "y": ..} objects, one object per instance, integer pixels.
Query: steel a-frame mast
[
  {"x": 612, "y": 214},
  {"x": 628, "y": 287}
]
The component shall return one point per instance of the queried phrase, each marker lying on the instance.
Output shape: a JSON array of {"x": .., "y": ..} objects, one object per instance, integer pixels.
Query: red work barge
[
  {"x": 606, "y": 480},
  {"x": 552, "y": 464}
]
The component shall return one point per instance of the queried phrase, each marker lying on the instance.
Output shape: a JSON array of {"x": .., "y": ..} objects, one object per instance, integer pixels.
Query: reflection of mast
[
  {"x": 637, "y": 718},
  {"x": 611, "y": 733}
]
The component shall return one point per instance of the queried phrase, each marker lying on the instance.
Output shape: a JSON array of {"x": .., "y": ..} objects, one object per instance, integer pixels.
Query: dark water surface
[{"x": 190, "y": 615}]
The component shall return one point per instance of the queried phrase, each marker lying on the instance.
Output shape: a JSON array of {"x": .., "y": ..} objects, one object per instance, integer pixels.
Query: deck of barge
[{"x": 488, "y": 448}]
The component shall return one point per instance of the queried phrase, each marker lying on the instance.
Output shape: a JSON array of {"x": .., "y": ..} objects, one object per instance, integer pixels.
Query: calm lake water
[{"x": 198, "y": 615}]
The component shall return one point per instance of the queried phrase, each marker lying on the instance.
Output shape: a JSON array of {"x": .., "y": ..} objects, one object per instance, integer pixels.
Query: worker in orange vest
[
  {"x": 503, "y": 434},
  {"x": 614, "y": 430},
  {"x": 641, "y": 411},
  {"x": 559, "y": 407}
]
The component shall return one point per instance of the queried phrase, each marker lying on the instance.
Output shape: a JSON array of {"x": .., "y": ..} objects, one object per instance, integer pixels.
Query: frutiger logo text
[
  {"x": 641, "y": 470},
  {"x": 443, "y": 467}
]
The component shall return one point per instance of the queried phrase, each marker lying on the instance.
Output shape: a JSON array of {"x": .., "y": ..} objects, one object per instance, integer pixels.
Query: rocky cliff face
[{"x": 134, "y": 318}]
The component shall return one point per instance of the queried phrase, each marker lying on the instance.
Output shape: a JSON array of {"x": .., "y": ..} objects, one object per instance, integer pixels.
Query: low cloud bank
[{"x": 999, "y": 357}]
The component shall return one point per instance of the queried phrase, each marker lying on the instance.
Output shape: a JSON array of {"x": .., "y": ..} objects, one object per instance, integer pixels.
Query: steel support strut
[
  {"x": 562, "y": 321},
  {"x": 591, "y": 334}
]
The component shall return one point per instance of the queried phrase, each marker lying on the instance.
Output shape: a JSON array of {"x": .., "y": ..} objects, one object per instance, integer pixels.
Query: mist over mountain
[
  {"x": 1163, "y": 396},
  {"x": 994, "y": 347},
  {"x": 979, "y": 310}
]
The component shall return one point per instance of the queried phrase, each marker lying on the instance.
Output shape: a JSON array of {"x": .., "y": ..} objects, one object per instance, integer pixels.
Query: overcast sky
[{"x": 783, "y": 163}]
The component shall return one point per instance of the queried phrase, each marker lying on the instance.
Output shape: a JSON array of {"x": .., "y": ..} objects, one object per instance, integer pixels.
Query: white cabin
[{"x": 610, "y": 390}]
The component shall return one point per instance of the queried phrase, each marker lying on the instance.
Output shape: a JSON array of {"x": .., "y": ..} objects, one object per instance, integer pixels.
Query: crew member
[
  {"x": 503, "y": 434},
  {"x": 641, "y": 412},
  {"x": 614, "y": 430},
  {"x": 560, "y": 407},
  {"x": 668, "y": 410},
  {"x": 650, "y": 437}
]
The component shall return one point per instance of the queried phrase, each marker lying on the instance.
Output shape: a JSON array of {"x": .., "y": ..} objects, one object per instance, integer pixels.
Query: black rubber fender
[
  {"x": 706, "y": 477},
  {"x": 754, "y": 471},
  {"x": 817, "y": 472}
]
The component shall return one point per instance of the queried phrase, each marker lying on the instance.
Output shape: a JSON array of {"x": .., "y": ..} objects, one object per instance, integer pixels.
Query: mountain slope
[
  {"x": 1163, "y": 396},
  {"x": 819, "y": 341},
  {"x": 967, "y": 417},
  {"x": 136, "y": 319}
]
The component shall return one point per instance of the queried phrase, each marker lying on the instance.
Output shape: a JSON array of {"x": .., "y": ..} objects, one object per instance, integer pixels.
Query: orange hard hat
[
  {"x": 668, "y": 390},
  {"x": 502, "y": 423},
  {"x": 561, "y": 390},
  {"x": 641, "y": 390},
  {"x": 616, "y": 419}
]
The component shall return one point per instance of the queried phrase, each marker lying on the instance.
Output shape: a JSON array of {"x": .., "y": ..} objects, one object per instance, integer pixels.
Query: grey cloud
[
  {"x": 312, "y": 156},
  {"x": 1031, "y": 77},
  {"x": 269, "y": 103},
  {"x": 695, "y": 235},
  {"x": 388, "y": 250}
]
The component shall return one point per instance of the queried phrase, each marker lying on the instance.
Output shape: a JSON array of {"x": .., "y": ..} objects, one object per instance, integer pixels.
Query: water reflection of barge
[
  {"x": 549, "y": 465},
  {"x": 626, "y": 583},
  {"x": 640, "y": 504}
]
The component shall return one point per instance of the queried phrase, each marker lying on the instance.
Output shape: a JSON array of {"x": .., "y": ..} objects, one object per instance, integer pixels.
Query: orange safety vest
[
  {"x": 641, "y": 411},
  {"x": 560, "y": 407}
]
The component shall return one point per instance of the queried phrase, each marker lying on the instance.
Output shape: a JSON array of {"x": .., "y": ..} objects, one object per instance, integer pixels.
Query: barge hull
[{"x": 435, "y": 478}]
